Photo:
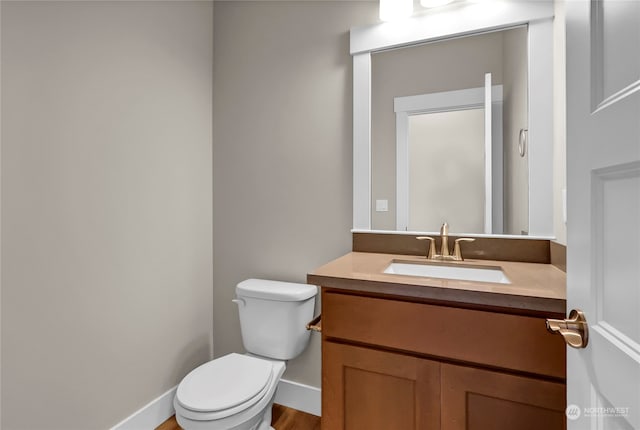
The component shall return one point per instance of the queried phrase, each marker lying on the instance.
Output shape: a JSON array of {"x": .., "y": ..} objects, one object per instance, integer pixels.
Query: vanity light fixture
[
  {"x": 434, "y": 3},
  {"x": 392, "y": 10}
]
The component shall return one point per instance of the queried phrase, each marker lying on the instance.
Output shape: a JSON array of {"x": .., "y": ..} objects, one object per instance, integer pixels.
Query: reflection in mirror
[
  {"x": 462, "y": 132},
  {"x": 446, "y": 163},
  {"x": 462, "y": 167}
]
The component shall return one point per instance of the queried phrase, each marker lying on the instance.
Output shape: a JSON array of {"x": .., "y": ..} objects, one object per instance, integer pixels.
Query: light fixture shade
[
  {"x": 391, "y": 10},
  {"x": 434, "y": 3}
]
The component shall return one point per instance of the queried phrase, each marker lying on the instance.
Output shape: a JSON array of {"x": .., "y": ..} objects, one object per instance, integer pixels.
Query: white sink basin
[{"x": 442, "y": 271}]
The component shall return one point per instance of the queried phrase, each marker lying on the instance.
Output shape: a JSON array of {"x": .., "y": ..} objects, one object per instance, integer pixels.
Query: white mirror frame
[{"x": 461, "y": 20}]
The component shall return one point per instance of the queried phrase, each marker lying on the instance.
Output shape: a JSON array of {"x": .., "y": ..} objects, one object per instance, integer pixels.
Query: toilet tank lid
[{"x": 276, "y": 290}]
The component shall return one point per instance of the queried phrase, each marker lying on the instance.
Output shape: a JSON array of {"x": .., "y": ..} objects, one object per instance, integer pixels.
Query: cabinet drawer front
[{"x": 506, "y": 341}]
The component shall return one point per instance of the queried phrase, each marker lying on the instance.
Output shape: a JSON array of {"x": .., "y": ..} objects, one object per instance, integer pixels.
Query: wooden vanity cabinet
[{"x": 394, "y": 364}]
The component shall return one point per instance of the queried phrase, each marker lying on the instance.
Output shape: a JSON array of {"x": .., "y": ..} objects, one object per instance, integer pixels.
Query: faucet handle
[
  {"x": 432, "y": 246},
  {"x": 457, "y": 254}
]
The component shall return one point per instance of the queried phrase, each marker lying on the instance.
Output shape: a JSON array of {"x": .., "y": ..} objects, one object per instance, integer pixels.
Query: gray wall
[
  {"x": 106, "y": 207},
  {"x": 282, "y": 149}
]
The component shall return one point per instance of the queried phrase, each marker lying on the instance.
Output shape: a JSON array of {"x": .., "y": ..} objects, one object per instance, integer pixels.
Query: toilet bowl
[{"x": 236, "y": 391}]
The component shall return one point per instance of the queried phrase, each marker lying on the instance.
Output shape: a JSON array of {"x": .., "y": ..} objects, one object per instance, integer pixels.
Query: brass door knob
[{"x": 574, "y": 329}]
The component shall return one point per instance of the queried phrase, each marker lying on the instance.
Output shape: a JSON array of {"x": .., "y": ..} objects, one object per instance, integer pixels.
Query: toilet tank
[{"x": 273, "y": 317}]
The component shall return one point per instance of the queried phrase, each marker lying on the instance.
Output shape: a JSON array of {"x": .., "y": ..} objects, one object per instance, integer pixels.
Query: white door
[{"x": 603, "y": 228}]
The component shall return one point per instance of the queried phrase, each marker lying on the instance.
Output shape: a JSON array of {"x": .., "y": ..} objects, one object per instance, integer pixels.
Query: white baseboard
[
  {"x": 291, "y": 394},
  {"x": 150, "y": 416},
  {"x": 298, "y": 396}
]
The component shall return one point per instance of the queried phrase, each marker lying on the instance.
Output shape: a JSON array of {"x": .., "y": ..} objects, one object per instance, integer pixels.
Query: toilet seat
[{"x": 224, "y": 386}]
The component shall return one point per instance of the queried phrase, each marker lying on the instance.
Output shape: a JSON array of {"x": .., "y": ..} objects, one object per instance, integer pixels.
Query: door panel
[
  {"x": 383, "y": 393},
  {"x": 475, "y": 399},
  {"x": 617, "y": 249},
  {"x": 616, "y": 59},
  {"x": 364, "y": 388}
]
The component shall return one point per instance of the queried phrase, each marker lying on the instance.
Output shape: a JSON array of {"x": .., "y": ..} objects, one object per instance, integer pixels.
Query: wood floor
[{"x": 283, "y": 419}]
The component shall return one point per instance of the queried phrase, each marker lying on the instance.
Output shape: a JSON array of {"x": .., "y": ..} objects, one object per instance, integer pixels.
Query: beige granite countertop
[{"x": 534, "y": 288}]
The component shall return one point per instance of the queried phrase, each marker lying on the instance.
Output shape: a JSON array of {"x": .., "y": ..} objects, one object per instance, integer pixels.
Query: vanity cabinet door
[
  {"x": 364, "y": 388},
  {"x": 475, "y": 399}
]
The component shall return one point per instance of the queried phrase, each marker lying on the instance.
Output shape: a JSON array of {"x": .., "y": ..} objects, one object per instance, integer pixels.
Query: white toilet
[{"x": 236, "y": 392}]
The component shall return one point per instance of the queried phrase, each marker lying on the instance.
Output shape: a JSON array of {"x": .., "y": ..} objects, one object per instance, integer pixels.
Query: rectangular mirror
[
  {"x": 422, "y": 87},
  {"x": 444, "y": 147}
]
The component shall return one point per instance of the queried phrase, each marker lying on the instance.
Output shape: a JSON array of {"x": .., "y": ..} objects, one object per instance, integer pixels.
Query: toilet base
[
  {"x": 265, "y": 423},
  {"x": 261, "y": 421}
]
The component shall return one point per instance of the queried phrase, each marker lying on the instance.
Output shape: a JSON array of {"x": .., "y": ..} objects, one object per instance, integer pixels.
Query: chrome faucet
[{"x": 444, "y": 248}]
